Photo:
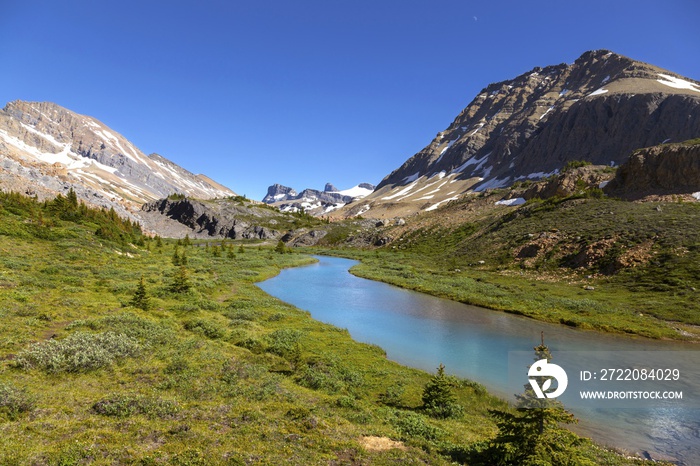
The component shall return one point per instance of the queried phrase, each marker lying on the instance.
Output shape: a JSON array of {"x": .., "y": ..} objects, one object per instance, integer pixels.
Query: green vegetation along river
[{"x": 423, "y": 331}]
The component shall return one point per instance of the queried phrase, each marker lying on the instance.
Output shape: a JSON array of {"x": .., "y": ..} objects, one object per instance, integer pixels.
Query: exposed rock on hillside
[
  {"x": 570, "y": 182},
  {"x": 219, "y": 218},
  {"x": 665, "y": 169}
]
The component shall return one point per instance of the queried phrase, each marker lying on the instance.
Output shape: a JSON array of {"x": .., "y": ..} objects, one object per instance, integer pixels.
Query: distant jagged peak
[
  {"x": 314, "y": 201},
  {"x": 278, "y": 192}
]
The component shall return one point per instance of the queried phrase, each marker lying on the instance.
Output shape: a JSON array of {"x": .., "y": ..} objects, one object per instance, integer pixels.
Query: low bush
[
  {"x": 78, "y": 352},
  {"x": 414, "y": 425},
  {"x": 329, "y": 375},
  {"x": 129, "y": 324},
  {"x": 124, "y": 405},
  {"x": 14, "y": 402},
  {"x": 205, "y": 327},
  {"x": 284, "y": 342}
]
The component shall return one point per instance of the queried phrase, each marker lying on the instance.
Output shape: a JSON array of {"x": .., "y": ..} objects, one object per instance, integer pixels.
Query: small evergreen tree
[
  {"x": 280, "y": 248},
  {"x": 176, "y": 258},
  {"x": 181, "y": 281},
  {"x": 186, "y": 242},
  {"x": 240, "y": 249},
  {"x": 439, "y": 399},
  {"x": 532, "y": 434},
  {"x": 140, "y": 298}
]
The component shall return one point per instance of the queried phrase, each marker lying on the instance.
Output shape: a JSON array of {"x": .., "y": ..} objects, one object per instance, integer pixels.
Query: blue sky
[{"x": 306, "y": 92}]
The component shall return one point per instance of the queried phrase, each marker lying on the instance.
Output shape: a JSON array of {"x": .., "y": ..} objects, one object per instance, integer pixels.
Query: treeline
[{"x": 40, "y": 219}]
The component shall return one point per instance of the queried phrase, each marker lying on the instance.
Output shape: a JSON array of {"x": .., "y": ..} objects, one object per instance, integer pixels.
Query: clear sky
[{"x": 304, "y": 92}]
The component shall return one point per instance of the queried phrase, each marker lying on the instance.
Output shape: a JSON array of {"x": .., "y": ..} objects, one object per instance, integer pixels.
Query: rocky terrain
[
  {"x": 600, "y": 109},
  {"x": 312, "y": 201},
  {"x": 232, "y": 218},
  {"x": 46, "y": 149},
  {"x": 668, "y": 169},
  {"x": 218, "y": 218}
]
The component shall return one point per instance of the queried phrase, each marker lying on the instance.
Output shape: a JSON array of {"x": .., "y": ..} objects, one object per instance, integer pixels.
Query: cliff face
[
  {"x": 598, "y": 109},
  {"x": 665, "y": 169},
  {"x": 218, "y": 218}
]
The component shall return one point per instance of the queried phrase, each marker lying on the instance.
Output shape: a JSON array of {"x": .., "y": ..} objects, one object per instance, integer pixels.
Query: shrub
[
  {"x": 284, "y": 342},
  {"x": 124, "y": 405},
  {"x": 328, "y": 375},
  {"x": 414, "y": 425},
  {"x": 129, "y": 324},
  {"x": 238, "y": 314},
  {"x": 392, "y": 395},
  {"x": 14, "y": 402},
  {"x": 78, "y": 352},
  {"x": 571, "y": 164},
  {"x": 207, "y": 328},
  {"x": 252, "y": 344}
]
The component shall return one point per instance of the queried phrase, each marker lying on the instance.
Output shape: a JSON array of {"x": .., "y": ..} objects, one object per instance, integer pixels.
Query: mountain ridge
[
  {"x": 313, "y": 201},
  {"x": 47, "y": 149},
  {"x": 599, "y": 109}
]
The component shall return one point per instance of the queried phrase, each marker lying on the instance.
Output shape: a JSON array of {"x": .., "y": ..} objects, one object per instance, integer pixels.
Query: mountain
[
  {"x": 46, "y": 149},
  {"x": 599, "y": 109},
  {"x": 313, "y": 201}
]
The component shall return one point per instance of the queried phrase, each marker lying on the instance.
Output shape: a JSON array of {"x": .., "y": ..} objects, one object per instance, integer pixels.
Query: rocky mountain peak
[
  {"x": 329, "y": 188},
  {"x": 278, "y": 192},
  {"x": 598, "y": 109}
]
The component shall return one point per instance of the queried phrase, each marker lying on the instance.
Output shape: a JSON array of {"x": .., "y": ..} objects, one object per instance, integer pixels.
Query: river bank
[{"x": 599, "y": 304}]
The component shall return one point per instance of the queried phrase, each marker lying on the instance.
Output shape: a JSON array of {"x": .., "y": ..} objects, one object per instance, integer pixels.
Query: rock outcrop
[
  {"x": 570, "y": 182},
  {"x": 218, "y": 218},
  {"x": 664, "y": 169}
]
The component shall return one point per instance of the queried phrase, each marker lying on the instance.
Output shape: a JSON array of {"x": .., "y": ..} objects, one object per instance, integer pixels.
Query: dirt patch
[
  {"x": 638, "y": 255},
  {"x": 372, "y": 443}
]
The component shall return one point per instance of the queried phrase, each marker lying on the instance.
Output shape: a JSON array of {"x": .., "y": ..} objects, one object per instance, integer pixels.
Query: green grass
[{"x": 219, "y": 374}]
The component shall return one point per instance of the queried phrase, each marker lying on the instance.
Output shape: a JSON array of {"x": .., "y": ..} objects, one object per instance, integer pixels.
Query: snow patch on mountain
[
  {"x": 600, "y": 91},
  {"x": 511, "y": 202},
  {"x": 678, "y": 83},
  {"x": 411, "y": 178}
]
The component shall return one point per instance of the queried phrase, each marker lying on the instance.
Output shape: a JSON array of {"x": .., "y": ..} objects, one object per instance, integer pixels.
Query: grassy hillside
[
  {"x": 582, "y": 261},
  {"x": 110, "y": 353}
]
